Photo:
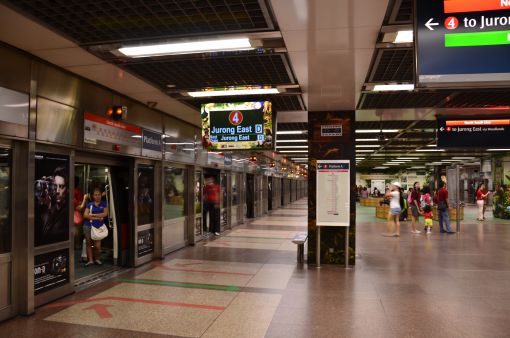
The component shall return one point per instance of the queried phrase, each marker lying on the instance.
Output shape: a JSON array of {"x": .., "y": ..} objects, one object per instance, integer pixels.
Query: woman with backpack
[{"x": 415, "y": 207}]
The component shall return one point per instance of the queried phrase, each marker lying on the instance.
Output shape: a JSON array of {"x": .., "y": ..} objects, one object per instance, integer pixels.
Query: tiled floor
[{"x": 247, "y": 284}]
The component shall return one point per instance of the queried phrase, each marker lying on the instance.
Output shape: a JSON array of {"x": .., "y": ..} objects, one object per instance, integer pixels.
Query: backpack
[{"x": 425, "y": 200}]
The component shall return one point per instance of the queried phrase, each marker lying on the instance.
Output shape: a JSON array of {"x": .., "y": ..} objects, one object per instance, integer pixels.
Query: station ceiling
[{"x": 323, "y": 54}]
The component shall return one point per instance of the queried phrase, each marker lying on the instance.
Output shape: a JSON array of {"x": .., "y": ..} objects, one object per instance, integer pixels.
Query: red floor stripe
[{"x": 133, "y": 300}]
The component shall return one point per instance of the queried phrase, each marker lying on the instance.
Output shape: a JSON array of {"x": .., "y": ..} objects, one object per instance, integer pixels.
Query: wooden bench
[{"x": 300, "y": 240}]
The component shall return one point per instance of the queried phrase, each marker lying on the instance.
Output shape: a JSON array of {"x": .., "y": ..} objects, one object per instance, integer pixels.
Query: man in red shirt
[
  {"x": 443, "y": 209},
  {"x": 212, "y": 193}
]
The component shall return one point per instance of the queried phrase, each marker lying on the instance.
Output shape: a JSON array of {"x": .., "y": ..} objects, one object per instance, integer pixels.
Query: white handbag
[{"x": 98, "y": 234}]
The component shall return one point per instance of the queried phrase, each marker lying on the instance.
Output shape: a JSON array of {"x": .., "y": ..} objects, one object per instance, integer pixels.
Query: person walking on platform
[
  {"x": 443, "y": 209},
  {"x": 415, "y": 207},
  {"x": 481, "y": 195},
  {"x": 394, "y": 195},
  {"x": 212, "y": 205}
]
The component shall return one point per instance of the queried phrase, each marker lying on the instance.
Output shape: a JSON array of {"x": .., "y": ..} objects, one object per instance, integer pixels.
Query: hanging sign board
[
  {"x": 482, "y": 133},
  {"x": 333, "y": 193},
  {"x": 462, "y": 42}
]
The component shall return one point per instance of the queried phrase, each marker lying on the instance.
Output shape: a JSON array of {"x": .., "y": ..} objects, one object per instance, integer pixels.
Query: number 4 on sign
[{"x": 451, "y": 23}]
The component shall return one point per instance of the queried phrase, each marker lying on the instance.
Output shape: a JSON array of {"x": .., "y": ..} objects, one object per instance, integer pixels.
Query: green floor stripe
[{"x": 182, "y": 285}]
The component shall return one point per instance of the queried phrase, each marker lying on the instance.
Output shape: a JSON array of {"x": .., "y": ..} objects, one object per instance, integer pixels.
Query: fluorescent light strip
[
  {"x": 404, "y": 37},
  {"x": 367, "y": 140},
  {"x": 291, "y": 132},
  {"x": 376, "y": 131},
  {"x": 187, "y": 47},
  {"x": 430, "y": 150},
  {"x": 498, "y": 149},
  {"x": 291, "y": 147},
  {"x": 364, "y": 151},
  {"x": 408, "y": 158},
  {"x": 291, "y": 141},
  {"x": 210, "y": 93},
  {"x": 368, "y": 146},
  {"x": 463, "y": 158},
  {"x": 431, "y": 145},
  {"x": 299, "y": 158},
  {"x": 294, "y": 151},
  {"x": 380, "y": 168},
  {"x": 393, "y": 87}
]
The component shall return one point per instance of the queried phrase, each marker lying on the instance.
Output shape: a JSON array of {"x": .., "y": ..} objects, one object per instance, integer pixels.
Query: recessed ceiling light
[
  {"x": 234, "y": 92},
  {"x": 291, "y": 147},
  {"x": 291, "y": 141},
  {"x": 375, "y": 131},
  {"x": 291, "y": 132},
  {"x": 205, "y": 46},
  {"x": 404, "y": 37},
  {"x": 393, "y": 87}
]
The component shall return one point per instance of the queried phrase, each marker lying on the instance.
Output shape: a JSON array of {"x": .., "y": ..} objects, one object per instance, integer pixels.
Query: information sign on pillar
[{"x": 462, "y": 42}]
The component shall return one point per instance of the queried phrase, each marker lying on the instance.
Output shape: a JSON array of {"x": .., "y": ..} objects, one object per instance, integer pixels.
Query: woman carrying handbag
[{"x": 94, "y": 228}]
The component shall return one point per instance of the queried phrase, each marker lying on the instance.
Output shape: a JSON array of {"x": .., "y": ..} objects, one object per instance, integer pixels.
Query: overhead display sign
[
  {"x": 333, "y": 193},
  {"x": 462, "y": 133},
  {"x": 462, "y": 42},
  {"x": 243, "y": 125},
  {"x": 98, "y": 128}
]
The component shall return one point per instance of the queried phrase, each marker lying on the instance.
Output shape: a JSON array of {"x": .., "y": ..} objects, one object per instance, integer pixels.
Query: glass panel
[
  {"x": 5, "y": 201},
  {"x": 174, "y": 190},
  {"x": 234, "y": 190},
  {"x": 198, "y": 192},
  {"x": 224, "y": 190},
  {"x": 145, "y": 195}
]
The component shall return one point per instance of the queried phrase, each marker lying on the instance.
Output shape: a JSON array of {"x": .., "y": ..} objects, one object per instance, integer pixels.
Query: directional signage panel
[
  {"x": 462, "y": 133},
  {"x": 463, "y": 43}
]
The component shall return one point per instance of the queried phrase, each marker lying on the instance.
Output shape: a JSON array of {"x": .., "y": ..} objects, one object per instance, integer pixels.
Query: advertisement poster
[
  {"x": 145, "y": 242},
  {"x": 51, "y": 192},
  {"x": 145, "y": 208},
  {"x": 333, "y": 193},
  {"x": 51, "y": 270}
]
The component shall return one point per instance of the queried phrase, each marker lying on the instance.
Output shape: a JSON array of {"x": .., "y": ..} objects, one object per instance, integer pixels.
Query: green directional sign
[{"x": 477, "y": 39}]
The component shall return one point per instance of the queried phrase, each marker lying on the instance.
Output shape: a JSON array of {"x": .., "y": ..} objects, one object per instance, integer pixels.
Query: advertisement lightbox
[
  {"x": 237, "y": 126},
  {"x": 462, "y": 43}
]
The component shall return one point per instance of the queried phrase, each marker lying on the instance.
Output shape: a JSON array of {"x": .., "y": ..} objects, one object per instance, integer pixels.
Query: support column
[{"x": 342, "y": 147}]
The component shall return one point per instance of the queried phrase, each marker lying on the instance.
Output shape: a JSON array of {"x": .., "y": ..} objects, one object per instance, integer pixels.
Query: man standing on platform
[
  {"x": 212, "y": 205},
  {"x": 443, "y": 209}
]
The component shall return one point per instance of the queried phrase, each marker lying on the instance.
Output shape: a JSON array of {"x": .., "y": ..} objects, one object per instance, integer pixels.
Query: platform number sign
[{"x": 236, "y": 118}]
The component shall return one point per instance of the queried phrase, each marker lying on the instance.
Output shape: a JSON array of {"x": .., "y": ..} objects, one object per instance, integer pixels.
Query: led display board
[
  {"x": 465, "y": 133},
  {"x": 462, "y": 43},
  {"x": 237, "y": 126}
]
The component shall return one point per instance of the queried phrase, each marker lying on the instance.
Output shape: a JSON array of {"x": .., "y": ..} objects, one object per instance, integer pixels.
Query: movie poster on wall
[{"x": 51, "y": 193}]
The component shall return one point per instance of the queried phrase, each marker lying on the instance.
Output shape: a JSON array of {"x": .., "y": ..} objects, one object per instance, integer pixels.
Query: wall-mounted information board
[
  {"x": 333, "y": 193},
  {"x": 462, "y": 42}
]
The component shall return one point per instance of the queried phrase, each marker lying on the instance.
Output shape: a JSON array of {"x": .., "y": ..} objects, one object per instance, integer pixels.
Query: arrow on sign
[
  {"x": 101, "y": 310},
  {"x": 430, "y": 23},
  {"x": 441, "y": 129}
]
